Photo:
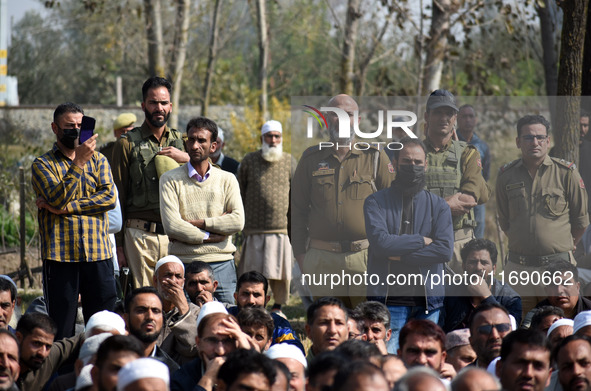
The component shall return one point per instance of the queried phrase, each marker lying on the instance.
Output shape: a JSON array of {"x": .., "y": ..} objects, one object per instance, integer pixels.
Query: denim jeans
[
  {"x": 399, "y": 315},
  {"x": 225, "y": 273}
]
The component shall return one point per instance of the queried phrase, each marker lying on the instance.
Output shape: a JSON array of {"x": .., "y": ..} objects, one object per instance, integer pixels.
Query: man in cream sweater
[{"x": 201, "y": 208}]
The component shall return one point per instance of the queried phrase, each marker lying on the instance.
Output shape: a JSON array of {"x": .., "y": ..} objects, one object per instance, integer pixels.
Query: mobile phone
[{"x": 86, "y": 129}]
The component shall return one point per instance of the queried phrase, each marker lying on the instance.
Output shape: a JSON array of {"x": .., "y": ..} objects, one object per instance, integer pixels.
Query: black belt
[
  {"x": 538, "y": 260},
  {"x": 148, "y": 226}
]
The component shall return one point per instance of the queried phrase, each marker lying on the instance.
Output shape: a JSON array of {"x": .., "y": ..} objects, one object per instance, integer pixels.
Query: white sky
[{"x": 17, "y": 8}]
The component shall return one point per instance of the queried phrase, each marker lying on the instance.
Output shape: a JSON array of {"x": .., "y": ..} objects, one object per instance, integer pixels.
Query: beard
[
  {"x": 144, "y": 337},
  {"x": 216, "y": 154},
  {"x": 35, "y": 362},
  {"x": 155, "y": 123},
  {"x": 272, "y": 154}
]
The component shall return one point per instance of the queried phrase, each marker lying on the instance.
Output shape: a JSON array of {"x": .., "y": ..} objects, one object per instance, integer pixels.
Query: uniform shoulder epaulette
[
  {"x": 508, "y": 166},
  {"x": 564, "y": 163},
  {"x": 311, "y": 150}
]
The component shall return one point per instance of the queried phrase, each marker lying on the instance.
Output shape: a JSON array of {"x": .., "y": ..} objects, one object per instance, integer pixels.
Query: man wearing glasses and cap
[
  {"x": 542, "y": 207},
  {"x": 455, "y": 169}
]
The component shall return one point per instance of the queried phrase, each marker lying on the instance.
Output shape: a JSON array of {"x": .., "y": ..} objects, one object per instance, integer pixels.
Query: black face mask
[
  {"x": 69, "y": 137},
  {"x": 411, "y": 178}
]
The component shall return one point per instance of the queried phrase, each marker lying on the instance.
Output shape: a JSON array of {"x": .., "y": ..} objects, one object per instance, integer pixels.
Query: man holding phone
[
  {"x": 139, "y": 158},
  {"x": 74, "y": 187}
]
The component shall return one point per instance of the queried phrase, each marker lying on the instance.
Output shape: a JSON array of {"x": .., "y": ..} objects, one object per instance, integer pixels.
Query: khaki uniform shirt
[
  {"x": 472, "y": 181},
  {"x": 328, "y": 195},
  {"x": 537, "y": 214}
]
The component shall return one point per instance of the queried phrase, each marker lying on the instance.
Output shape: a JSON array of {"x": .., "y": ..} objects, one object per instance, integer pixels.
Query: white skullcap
[
  {"x": 492, "y": 367},
  {"x": 581, "y": 320},
  {"x": 558, "y": 323},
  {"x": 142, "y": 368},
  {"x": 221, "y": 134},
  {"x": 283, "y": 350},
  {"x": 212, "y": 307},
  {"x": 84, "y": 379},
  {"x": 272, "y": 126},
  {"x": 106, "y": 321},
  {"x": 90, "y": 346},
  {"x": 168, "y": 259}
]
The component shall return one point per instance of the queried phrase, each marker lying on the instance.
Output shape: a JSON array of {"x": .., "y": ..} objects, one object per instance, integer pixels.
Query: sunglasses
[{"x": 487, "y": 328}]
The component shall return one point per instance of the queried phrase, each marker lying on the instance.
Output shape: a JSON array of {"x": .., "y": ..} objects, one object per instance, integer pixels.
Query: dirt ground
[{"x": 10, "y": 260}]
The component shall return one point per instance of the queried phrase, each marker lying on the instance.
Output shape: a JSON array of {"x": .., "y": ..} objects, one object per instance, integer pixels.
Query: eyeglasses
[
  {"x": 531, "y": 137},
  {"x": 487, "y": 328}
]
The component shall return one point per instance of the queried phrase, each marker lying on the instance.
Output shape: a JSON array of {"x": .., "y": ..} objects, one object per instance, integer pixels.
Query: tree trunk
[
  {"x": 155, "y": 40},
  {"x": 547, "y": 15},
  {"x": 437, "y": 43},
  {"x": 570, "y": 70},
  {"x": 547, "y": 10},
  {"x": 179, "y": 54},
  {"x": 348, "y": 55},
  {"x": 213, "y": 51},
  {"x": 586, "y": 82},
  {"x": 263, "y": 56}
]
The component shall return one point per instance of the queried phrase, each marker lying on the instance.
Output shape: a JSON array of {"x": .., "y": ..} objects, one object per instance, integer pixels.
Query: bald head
[
  {"x": 350, "y": 107},
  {"x": 420, "y": 379},
  {"x": 474, "y": 379},
  {"x": 342, "y": 101}
]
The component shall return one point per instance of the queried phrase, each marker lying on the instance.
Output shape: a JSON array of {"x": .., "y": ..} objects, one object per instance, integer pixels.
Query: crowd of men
[{"x": 172, "y": 203}]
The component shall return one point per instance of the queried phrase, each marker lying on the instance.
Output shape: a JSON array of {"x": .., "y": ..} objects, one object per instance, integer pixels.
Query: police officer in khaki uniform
[
  {"x": 136, "y": 156},
  {"x": 455, "y": 170},
  {"x": 542, "y": 207},
  {"x": 328, "y": 191}
]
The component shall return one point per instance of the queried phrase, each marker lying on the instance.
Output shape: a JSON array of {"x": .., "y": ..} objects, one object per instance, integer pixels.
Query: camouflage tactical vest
[
  {"x": 443, "y": 177},
  {"x": 144, "y": 191}
]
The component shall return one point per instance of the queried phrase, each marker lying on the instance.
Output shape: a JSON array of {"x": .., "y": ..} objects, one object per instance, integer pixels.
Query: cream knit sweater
[{"x": 183, "y": 198}]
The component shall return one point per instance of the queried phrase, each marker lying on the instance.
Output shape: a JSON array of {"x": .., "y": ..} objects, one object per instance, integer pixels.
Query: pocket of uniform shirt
[
  {"x": 517, "y": 204},
  {"x": 359, "y": 187},
  {"x": 323, "y": 187},
  {"x": 553, "y": 202}
]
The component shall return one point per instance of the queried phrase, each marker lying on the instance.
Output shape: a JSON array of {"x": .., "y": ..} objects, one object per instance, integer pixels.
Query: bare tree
[
  {"x": 547, "y": 10},
  {"x": 350, "y": 39},
  {"x": 153, "y": 10},
  {"x": 437, "y": 43},
  {"x": 569, "y": 79},
  {"x": 179, "y": 54},
  {"x": 368, "y": 59},
  {"x": 211, "y": 58},
  {"x": 586, "y": 83},
  {"x": 263, "y": 56}
]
